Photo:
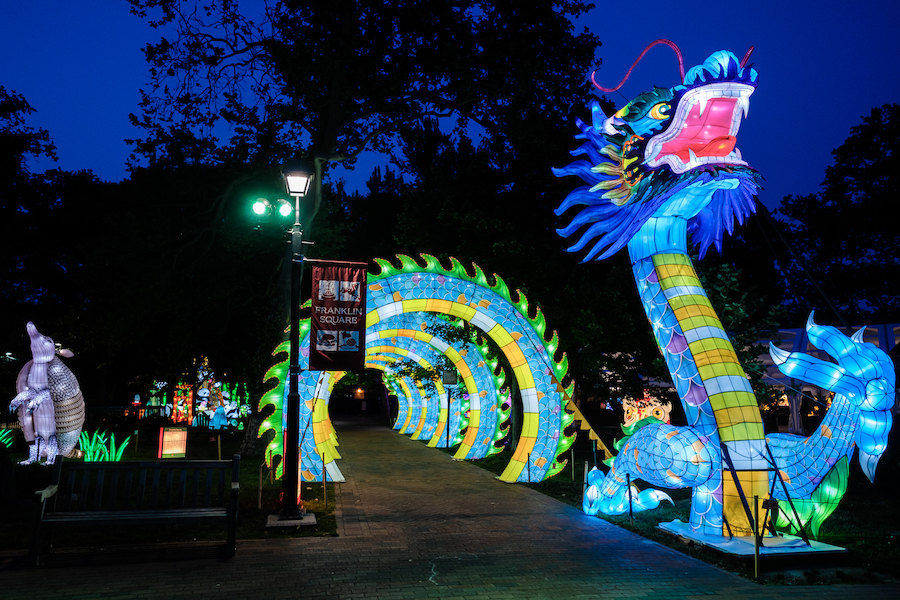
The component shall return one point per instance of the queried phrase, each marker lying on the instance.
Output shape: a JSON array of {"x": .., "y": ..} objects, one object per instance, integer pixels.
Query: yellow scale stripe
[
  {"x": 733, "y": 507},
  {"x": 418, "y": 305},
  {"x": 436, "y": 305},
  {"x": 471, "y": 437},
  {"x": 526, "y": 445},
  {"x": 411, "y": 333},
  {"x": 736, "y": 411},
  {"x": 408, "y": 395},
  {"x": 463, "y": 311}
]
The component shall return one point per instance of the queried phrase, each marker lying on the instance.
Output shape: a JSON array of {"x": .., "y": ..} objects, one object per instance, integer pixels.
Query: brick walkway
[{"x": 415, "y": 524}]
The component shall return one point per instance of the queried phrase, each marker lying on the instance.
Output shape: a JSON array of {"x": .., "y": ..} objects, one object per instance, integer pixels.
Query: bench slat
[
  {"x": 70, "y": 491},
  {"x": 112, "y": 492},
  {"x": 98, "y": 492},
  {"x": 83, "y": 495},
  {"x": 182, "y": 481},
  {"x": 154, "y": 496},
  {"x": 196, "y": 489},
  {"x": 127, "y": 490},
  {"x": 207, "y": 496},
  {"x": 135, "y": 517},
  {"x": 167, "y": 496},
  {"x": 142, "y": 485}
]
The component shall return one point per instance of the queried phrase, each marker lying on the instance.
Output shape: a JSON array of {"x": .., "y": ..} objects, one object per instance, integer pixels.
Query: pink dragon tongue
[{"x": 708, "y": 134}]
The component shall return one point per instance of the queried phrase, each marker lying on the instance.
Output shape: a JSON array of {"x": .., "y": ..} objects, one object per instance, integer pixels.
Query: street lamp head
[
  {"x": 262, "y": 207},
  {"x": 297, "y": 175},
  {"x": 284, "y": 208}
]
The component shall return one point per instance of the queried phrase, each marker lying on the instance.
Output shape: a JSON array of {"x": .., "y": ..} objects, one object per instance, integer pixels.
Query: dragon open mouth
[{"x": 704, "y": 129}]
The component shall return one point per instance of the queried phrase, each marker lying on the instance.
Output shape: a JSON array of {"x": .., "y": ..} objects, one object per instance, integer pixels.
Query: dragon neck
[
  {"x": 659, "y": 235},
  {"x": 698, "y": 351},
  {"x": 715, "y": 393}
]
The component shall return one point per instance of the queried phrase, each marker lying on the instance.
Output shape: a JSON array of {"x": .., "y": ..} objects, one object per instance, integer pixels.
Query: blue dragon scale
[{"x": 664, "y": 168}]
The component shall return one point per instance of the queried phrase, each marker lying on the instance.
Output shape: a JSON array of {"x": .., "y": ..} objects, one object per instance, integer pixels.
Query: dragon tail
[{"x": 864, "y": 375}]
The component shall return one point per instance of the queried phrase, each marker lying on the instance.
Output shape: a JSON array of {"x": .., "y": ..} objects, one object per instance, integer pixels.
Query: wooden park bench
[{"x": 138, "y": 492}]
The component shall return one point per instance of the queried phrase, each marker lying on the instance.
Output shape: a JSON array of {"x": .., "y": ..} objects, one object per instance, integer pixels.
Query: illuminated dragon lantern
[{"x": 663, "y": 168}]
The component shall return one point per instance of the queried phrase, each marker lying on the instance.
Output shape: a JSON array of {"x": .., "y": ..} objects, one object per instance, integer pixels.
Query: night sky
[{"x": 823, "y": 66}]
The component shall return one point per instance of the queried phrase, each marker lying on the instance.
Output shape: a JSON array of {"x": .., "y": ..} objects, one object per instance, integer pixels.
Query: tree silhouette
[
  {"x": 330, "y": 80},
  {"x": 39, "y": 217},
  {"x": 846, "y": 235}
]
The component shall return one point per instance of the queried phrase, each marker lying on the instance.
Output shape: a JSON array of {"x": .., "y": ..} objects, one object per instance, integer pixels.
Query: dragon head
[{"x": 670, "y": 151}]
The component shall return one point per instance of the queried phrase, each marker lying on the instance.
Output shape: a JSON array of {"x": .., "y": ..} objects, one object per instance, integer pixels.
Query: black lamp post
[{"x": 297, "y": 176}]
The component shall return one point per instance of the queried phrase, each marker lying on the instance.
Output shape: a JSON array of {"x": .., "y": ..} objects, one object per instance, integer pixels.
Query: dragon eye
[{"x": 660, "y": 111}]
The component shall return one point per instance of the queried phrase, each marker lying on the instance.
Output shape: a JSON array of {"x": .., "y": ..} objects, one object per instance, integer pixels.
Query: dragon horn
[
  {"x": 668, "y": 43},
  {"x": 746, "y": 57}
]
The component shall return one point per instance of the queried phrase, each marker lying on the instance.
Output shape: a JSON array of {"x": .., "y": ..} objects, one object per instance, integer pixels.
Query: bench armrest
[{"x": 48, "y": 492}]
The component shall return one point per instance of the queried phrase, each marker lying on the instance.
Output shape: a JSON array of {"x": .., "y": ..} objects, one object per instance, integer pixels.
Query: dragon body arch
[
  {"x": 488, "y": 305},
  {"x": 483, "y": 387},
  {"x": 661, "y": 169}
]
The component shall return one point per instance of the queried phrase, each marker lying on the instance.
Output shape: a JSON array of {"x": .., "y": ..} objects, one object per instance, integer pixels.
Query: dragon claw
[{"x": 605, "y": 495}]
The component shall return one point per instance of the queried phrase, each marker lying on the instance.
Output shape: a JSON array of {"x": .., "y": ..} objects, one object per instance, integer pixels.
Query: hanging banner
[{"x": 337, "y": 340}]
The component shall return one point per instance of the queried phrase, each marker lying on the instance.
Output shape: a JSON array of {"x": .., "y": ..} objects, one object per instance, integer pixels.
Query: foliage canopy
[
  {"x": 330, "y": 80},
  {"x": 845, "y": 234}
]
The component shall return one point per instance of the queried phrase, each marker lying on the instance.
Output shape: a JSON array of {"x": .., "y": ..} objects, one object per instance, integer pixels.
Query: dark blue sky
[{"x": 823, "y": 65}]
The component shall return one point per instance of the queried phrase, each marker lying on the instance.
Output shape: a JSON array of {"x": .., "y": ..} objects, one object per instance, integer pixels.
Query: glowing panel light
[{"x": 172, "y": 442}]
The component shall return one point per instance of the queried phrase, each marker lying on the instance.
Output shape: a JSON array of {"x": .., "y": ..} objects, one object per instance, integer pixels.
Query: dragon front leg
[{"x": 662, "y": 455}]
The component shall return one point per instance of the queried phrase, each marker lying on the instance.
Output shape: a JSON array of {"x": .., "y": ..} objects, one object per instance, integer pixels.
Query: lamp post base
[{"x": 298, "y": 521}]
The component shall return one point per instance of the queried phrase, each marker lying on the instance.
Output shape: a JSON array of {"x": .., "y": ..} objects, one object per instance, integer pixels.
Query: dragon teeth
[
  {"x": 702, "y": 101},
  {"x": 744, "y": 104}
]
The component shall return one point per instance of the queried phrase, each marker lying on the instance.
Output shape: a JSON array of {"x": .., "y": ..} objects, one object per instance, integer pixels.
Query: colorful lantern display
[
  {"x": 663, "y": 167},
  {"x": 486, "y": 413},
  {"x": 49, "y": 402},
  {"x": 412, "y": 288},
  {"x": 647, "y": 406}
]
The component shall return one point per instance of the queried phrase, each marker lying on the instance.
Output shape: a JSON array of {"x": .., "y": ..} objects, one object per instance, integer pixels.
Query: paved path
[{"x": 415, "y": 524}]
